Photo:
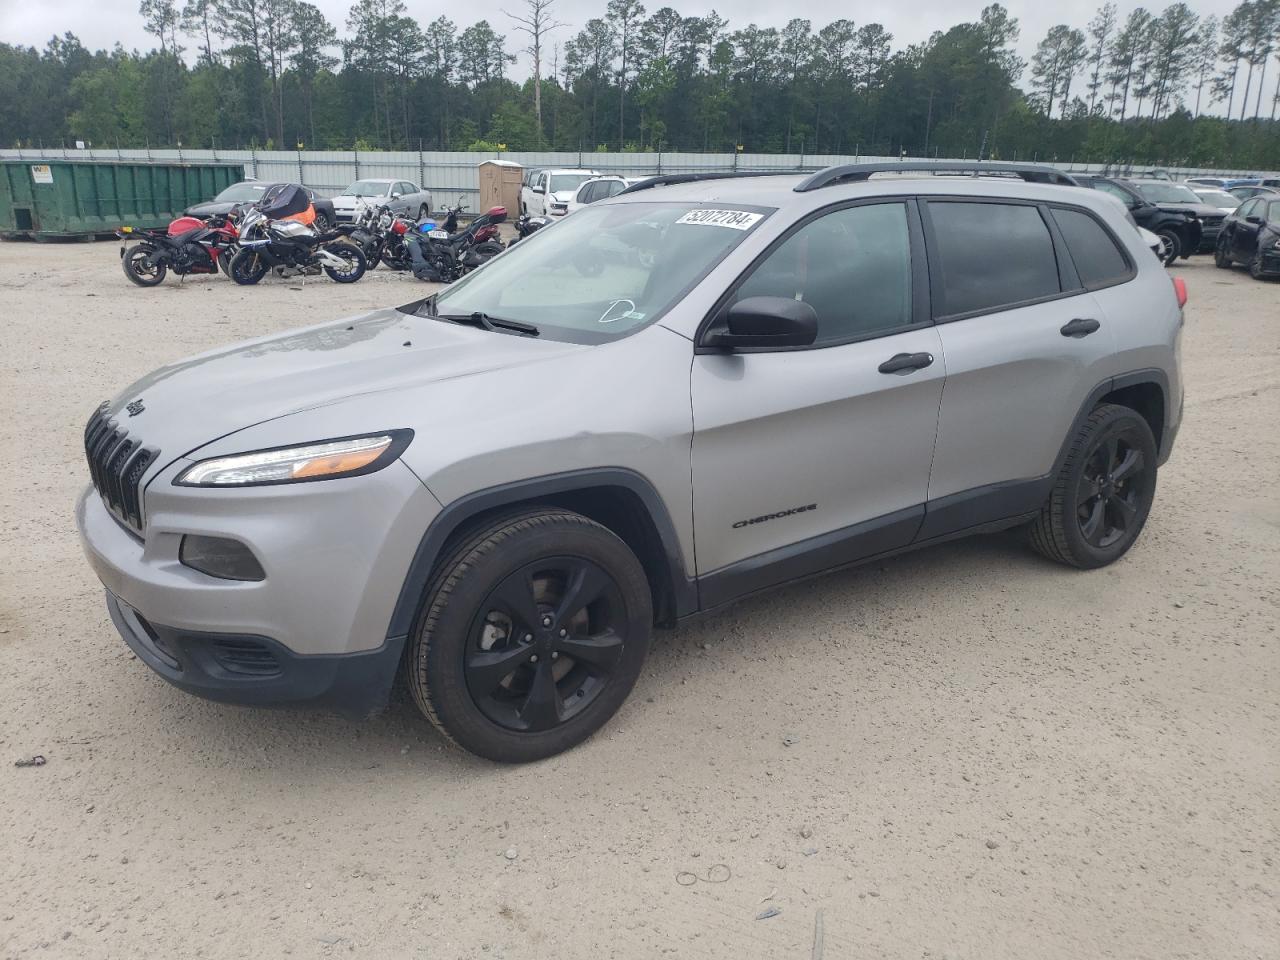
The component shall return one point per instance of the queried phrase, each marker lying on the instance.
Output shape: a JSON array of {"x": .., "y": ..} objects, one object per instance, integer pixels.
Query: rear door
[
  {"x": 807, "y": 458},
  {"x": 1025, "y": 343}
]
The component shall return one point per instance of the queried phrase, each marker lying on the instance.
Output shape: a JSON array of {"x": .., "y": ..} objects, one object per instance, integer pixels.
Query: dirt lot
[{"x": 965, "y": 752}]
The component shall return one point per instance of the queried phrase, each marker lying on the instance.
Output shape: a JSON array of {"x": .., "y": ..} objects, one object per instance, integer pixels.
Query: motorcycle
[
  {"x": 443, "y": 255},
  {"x": 188, "y": 246},
  {"x": 380, "y": 236},
  {"x": 270, "y": 240},
  {"x": 527, "y": 226}
]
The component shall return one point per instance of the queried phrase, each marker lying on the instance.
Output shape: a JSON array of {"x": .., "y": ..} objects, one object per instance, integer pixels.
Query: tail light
[{"x": 1180, "y": 288}]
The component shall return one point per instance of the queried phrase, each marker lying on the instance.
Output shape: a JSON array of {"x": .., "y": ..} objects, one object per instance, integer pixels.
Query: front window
[
  {"x": 602, "y": 273},
  {"x": 568, "y": 181},
  {"x": 1168, "y": 193},
  {"x": 241, "y": 193},
  {"x": 366, "y": 188}
]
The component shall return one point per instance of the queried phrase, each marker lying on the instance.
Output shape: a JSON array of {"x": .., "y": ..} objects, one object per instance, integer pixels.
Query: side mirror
[
  {"x": 396, "y": 196},
  {"x": 539, "y": 189},
  {"x": 1255, "y": 219},
  {"x": 766, "y": 322}
]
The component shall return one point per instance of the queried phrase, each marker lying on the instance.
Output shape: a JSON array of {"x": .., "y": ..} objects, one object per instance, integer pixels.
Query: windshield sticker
[{"x": 733, "y": 219}]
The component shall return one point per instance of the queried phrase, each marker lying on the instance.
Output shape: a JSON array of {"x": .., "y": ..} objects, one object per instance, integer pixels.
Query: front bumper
[
  {"x": 335, "y": 554},
  {"x": 258, "y": 671}
]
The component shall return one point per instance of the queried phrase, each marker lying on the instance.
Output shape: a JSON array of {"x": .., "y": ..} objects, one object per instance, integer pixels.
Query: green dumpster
[{"x": 70, "y": 198}]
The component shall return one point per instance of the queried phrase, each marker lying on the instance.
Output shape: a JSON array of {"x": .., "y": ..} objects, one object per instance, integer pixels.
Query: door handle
[
  {"x": 906, "y": 362},
  {"x": 1079, "y": 328}
]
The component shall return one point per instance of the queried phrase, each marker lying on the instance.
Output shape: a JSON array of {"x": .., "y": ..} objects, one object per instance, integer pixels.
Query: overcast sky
[{"x": 101, "y": 23}]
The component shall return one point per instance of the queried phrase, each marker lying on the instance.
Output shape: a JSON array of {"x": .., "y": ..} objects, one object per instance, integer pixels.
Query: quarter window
[
  {"x": 852, "y": 266},
  {"x": 1098, "y": 260},
  {"x": 992, "y": 255}
]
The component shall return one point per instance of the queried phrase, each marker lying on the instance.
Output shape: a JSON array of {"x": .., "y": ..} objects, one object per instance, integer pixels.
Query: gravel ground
[{"x": 965, "y": 752}]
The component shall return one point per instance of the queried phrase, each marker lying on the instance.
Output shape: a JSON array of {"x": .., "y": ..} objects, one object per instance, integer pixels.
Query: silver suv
[{"x": 702, "y": 388}]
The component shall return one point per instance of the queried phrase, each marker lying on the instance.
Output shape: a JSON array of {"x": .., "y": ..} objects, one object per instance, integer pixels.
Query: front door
[{"x": 804, "y": 459}]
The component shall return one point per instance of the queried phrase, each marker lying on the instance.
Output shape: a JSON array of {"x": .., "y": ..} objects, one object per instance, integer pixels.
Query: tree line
[{"x": 1156, "y": 86}]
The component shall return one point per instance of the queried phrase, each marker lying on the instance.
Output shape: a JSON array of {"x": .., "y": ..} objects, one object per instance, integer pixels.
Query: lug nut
[
  {"x": 534, "y": 658},
  {"x": 563, "y": 632},
  {"x": 554, "y": 655},
  {"x": 528, "y": 638},
  {"x": 546, "y": 621}
]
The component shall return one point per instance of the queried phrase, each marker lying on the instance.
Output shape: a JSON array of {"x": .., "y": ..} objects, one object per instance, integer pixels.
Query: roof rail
[
  {"x": 670, "y": 179},
  {"x": 858, "y": 172}
]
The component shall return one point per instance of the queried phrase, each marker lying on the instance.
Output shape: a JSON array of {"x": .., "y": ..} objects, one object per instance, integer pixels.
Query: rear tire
[
  {"x": 135, "y": 266},
  {"x": 355, "y": 260},
  {"x": 248, "y": 267},
  {"x": 533, "y": 633},
  {"x": 1103, "y": 493}
]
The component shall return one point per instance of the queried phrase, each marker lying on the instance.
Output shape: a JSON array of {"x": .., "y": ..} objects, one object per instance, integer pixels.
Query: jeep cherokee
[{"x": 699, "y": 389}]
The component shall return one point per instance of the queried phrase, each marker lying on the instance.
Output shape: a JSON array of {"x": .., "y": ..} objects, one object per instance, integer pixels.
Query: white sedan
[{"x": 402, "y": 196}]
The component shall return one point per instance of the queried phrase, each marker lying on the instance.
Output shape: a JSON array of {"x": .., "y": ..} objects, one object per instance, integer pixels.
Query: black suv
[
  {"x": 1182, "y": 229},
  {"x": 1252, "y": 236}
]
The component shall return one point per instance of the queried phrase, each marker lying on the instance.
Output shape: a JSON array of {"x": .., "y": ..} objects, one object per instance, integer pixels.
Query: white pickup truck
[{"x": 549, "y": 191}]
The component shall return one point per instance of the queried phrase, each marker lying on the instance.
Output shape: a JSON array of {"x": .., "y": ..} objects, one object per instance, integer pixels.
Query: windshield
[
  {"x": 568, "y": 181},
  {"x": 1218, "y": 198},
  {"x": 241, "y": 192},
  {"x": 603, "y": 272},
  {"x": 367, "y": 188},
  {"x": 1168, "y": 193}
]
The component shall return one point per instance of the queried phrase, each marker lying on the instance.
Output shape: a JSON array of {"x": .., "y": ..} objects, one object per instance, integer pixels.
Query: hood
[
  {"x": 210, "y": 208},
  {"x": 350, "y": 200},
  {"x": 1199, "y": 209},
  {"x": 192, "y": 402}
]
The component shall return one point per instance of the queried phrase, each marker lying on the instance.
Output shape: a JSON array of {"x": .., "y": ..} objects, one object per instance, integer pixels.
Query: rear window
[
  {"x": 1099, "y": 261},
  {"x": 993, "y": 255}
]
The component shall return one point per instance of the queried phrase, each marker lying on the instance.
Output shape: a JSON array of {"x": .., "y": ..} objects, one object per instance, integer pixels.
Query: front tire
[
  {"x": 534, "y": 631},
  {"x": 1221, "y": 255},
  {"x": 1103, "y": 493},
  {"x": 1255, "y": 265},
  {"x": 1172, "y": 246},
  {"x": 140, "y": 269},
  {"x": 248, "y": 267}
]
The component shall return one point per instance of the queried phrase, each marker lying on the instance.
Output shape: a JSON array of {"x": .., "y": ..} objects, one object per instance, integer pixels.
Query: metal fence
[{"x": 456, "y": 173}]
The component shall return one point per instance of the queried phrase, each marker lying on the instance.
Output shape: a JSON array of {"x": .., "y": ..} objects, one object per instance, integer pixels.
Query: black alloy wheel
[
  {"x": 140, "y": 268},
  {"x": 1110, "y": 492},
  {"x": 545, "y": 644},
  {"x": 534, "y": 630},
  {"x": 321, "y": 223},
  {"x": 1103, "y": 492}
]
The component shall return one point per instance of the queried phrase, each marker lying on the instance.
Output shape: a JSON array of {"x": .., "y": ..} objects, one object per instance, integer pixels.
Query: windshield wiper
[{"x": 486, "y": 322}]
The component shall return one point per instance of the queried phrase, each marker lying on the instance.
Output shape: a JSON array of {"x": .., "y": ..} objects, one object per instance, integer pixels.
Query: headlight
[{"x": 322, "y": 460}]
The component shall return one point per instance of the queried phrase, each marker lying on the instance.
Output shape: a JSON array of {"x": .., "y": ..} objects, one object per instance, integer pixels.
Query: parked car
[
  {"x": 1180, "y": 231},
  {"x": 1222, "y": 183},
  {"x": 1252, "y": 236},
  {"x": 596, "y": 189},
  {"x": 788, "y": 374},
  {"x": 1217, "y": 198},
  {"x": 1248, "y": 193},
  {"x": 401, "y": 196},
  {"x": 251, "y": 191},
  {"x": 1180, "y": 198},
  {"x": 550, "y": 191}
]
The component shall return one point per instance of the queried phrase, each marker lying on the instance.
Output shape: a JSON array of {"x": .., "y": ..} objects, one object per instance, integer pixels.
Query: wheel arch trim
[{"x": 683, "y": 590}]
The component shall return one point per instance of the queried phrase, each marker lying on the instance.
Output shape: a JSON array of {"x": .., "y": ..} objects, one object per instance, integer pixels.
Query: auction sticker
[{"x": 733, "y": 219}]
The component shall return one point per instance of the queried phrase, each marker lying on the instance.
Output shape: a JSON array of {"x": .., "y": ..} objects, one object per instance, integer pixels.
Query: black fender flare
[{"x": 409, "y": 602}]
